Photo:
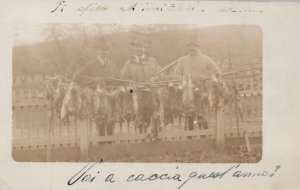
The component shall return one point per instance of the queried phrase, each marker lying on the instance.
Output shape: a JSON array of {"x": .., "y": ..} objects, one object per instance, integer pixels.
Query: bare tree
[{"x": 68, "y": 44}]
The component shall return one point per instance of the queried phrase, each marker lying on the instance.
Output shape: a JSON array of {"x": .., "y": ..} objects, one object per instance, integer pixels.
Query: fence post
[
  {"x": 162, "y": 116},
  {"x": 50, "y": 130},
  {"x": 220, "y": 127},
  {"x": 84, "y": 125}
]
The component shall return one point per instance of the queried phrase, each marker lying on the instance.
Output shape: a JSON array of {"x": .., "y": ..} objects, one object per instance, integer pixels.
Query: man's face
[
  {"x": 103, "y": 53},
  {"x": 139, "y": 51},
  {"x": 193, "y": 50}
]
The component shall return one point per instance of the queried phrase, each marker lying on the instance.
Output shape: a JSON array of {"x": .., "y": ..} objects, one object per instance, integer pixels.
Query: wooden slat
[
  {"x": 220, "y": 134},
  {"x": 14, "y": 122},
  {"x": 251, "y": 129},
  {"x": 170, "y": 134},
  {"x": 163, "y": 135},
  {"x": 83, "y": 139},
  {"x": 42, "y": 142},
  {"x": 39, "y": 117},
  {"x": 75, "y": 126}
]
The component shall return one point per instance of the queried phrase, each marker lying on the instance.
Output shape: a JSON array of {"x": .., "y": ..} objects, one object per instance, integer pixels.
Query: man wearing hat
[
  {"x": 197, "y": 64},
  {"x": 140, "y": 68},
  {"x": 202, "y": 70},
  {"x": 99, "y": 66},
  {"x": 89, "y": 76}
]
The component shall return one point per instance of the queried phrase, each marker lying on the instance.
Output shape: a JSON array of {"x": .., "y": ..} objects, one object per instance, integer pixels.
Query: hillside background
[{"x": 66, "y": 47}]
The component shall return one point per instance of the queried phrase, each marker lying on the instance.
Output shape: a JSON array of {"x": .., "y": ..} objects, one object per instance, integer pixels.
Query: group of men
[{"x": 142, "y": 68}]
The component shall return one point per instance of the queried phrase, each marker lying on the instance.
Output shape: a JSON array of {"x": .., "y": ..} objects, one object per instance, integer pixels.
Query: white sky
[{"x": 28, "y": 34}]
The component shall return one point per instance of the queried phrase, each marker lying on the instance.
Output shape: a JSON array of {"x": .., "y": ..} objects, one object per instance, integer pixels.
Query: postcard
[{"x": 149, "y": 94}]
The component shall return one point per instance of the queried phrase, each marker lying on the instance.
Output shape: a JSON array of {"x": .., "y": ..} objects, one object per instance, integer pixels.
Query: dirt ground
[{"x": 233, "y": 154}]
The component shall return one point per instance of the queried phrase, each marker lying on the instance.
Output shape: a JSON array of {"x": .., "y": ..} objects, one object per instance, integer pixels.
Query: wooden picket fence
[{"x": 31, "y": 116}]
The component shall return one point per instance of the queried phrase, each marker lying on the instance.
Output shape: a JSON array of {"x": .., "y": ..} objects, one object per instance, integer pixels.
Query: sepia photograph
[{"x": 152, "y": 93}]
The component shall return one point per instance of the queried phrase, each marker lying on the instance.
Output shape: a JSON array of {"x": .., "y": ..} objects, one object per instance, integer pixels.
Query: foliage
[{"x": 69, "y": 46}]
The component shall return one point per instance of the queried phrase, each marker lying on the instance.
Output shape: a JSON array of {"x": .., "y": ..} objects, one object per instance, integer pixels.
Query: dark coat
[
  {"x": 95, "y": 69},
  {"x": 140, "y": 71}
]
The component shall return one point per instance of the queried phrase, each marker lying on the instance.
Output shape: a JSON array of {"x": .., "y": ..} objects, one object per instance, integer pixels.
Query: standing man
[
  {"x": 140, "y": 68},
  {"x": 197, "y": 64},
  {"x": 100, "y": 66},
  {"x": 196, "y": 69},
  {"x": 89, "y": 76}
]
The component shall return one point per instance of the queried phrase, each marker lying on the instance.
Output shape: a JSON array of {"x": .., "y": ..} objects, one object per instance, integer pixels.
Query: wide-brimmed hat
[
  {"x": 101, "y": 44},
  {"x": 195, "y": 43},
  {"x": 137, "y": 43}
]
